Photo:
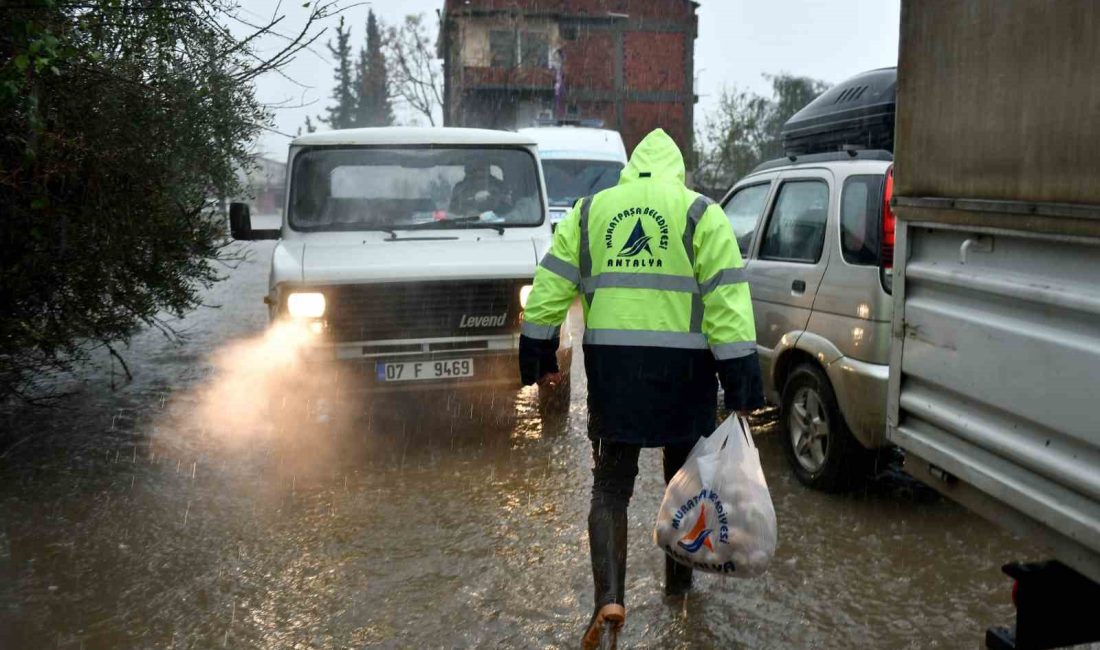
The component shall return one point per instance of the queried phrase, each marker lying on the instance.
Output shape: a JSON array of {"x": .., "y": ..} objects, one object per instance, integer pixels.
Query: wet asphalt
[{"x": 170, "y": 512}]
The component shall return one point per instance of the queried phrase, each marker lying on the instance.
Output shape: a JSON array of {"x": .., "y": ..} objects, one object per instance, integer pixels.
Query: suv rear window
[{"x": 860, "y": 219}]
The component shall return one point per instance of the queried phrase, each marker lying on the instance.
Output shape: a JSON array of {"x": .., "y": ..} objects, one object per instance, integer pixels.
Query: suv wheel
[{"x": 821, "y": 450}]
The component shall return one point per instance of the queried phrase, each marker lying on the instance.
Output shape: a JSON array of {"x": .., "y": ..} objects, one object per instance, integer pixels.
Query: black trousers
[{"x": 615, "y": 466}]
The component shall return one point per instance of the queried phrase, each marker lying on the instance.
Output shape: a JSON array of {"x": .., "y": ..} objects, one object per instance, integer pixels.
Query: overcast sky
[{"x": 739, "y": 41}]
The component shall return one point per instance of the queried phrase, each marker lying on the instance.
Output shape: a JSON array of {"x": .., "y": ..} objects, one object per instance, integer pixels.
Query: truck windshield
[
  {"x": 569, "y": 180},
  {"x": 413, "y": 187}
]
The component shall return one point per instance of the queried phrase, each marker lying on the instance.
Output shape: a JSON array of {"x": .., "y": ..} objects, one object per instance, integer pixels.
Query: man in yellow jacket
[{"x": 666, "y": 309}]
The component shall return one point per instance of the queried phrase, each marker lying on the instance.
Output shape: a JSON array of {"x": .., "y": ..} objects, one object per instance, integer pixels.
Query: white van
[
  {"x": 410, "y": 251},
  {"x": 578, "y": 162}
]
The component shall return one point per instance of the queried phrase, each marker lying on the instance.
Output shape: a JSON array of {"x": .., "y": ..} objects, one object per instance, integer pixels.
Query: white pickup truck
[{"x": 410, "y": 251}]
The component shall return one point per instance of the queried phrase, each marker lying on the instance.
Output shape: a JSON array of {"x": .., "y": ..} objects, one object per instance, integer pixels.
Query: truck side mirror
[
  {"x": 240, "y": 224},
  {"x": 240, "y": 221}
]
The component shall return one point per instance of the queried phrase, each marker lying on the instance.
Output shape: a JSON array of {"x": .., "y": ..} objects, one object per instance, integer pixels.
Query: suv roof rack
[{"x": 830, "y": 156}]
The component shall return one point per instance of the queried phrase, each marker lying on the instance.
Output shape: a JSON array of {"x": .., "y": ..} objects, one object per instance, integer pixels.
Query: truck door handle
[{"x": 798, "y": 286}]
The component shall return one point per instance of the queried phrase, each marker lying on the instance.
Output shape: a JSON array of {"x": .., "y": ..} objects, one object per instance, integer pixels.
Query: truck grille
[{"x": 408, "y": 310}]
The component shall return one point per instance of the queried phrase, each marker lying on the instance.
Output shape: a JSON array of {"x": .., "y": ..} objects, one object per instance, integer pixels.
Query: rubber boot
[
  {"x": 603, "y": 629},
  {"x": 677, "y": 578},
  {"x": 607, "y": 542}
]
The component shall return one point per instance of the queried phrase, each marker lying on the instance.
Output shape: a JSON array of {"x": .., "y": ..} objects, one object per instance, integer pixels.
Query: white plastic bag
[{"x": 717, "y": 514}]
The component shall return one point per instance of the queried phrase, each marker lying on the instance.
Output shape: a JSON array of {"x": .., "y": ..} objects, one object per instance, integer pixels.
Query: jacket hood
[{"x": 656, "y": 155}]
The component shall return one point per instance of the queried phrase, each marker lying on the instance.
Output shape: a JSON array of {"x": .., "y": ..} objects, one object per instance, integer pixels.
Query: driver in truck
[{"x": 479, "y": 191}]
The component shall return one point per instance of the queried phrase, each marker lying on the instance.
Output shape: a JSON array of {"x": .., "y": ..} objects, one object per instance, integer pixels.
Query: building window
[
  {"x": 509, "y": 49},
  {"x": 534, "y": 50},
  {"x": 502, "y": 49}
]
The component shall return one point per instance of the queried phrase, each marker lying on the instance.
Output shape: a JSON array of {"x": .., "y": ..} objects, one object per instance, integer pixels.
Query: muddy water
[{"x": 127, "y": 521}]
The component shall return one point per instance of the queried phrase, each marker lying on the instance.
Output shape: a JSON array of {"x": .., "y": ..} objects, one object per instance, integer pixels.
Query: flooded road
[{"x": 130, "y": 520}]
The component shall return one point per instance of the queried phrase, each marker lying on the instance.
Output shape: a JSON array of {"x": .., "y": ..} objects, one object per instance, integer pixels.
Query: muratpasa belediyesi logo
[
  {"x": 637, "y": 242},
  {"x": 701, "y": 534},
  {"x": 637, "y": 250}
]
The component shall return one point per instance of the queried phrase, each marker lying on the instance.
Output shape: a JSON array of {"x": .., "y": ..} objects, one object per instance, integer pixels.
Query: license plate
[{"x": 416, "y": 370}]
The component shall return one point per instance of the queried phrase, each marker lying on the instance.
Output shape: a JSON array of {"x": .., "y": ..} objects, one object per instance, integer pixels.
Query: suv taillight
[{"x": 889, "y": 222}]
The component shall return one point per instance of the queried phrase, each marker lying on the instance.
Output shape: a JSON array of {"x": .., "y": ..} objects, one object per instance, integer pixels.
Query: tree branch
[{"x": 121, "y": 361}]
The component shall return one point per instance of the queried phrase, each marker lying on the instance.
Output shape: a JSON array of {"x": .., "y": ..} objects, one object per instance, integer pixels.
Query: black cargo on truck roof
[{"x": 858, "y": 112}]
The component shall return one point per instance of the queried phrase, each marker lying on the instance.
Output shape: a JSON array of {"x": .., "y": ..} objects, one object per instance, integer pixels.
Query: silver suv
[{"x": 817, "y": 235}]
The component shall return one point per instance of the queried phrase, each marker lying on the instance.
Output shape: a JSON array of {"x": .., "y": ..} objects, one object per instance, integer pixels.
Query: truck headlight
[
  {"x": 524, "y": 292},
  {"x": 306, "y": 305}
]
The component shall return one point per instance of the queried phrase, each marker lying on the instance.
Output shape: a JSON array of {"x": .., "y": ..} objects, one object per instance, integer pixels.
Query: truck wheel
[
  {"x": 555, "y": 401},
  {"x": 821, "y": 450}
]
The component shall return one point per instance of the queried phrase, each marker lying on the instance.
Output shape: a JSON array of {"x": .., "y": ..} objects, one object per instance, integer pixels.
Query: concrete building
[{"x": 628, "y": 63}]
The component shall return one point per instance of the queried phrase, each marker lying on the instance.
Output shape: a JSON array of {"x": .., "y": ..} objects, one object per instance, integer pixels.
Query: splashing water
[{"x": 274, "y": 384}]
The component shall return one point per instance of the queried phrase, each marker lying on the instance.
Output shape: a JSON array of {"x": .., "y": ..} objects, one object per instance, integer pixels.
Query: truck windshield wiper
[
  {"x": 458, "y": 222},
  {"x": 393, "y": 235}
]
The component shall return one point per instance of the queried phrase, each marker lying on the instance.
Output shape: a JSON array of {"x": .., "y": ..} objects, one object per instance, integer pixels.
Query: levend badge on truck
[
  {"x": 410, "y": 252},
  {"x": 483, "y": 321}
]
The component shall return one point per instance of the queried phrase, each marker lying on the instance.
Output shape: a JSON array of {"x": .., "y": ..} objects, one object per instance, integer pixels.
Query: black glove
[
  {"x": 741, "y": 382},
  {"x": 537, "y": 357}
]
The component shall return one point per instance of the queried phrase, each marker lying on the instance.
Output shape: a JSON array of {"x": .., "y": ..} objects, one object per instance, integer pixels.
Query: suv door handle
[{"x": 798, "y": 286}]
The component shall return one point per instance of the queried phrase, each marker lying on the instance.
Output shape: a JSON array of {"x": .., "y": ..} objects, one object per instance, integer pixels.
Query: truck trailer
[{"x": 995, "y": 356}]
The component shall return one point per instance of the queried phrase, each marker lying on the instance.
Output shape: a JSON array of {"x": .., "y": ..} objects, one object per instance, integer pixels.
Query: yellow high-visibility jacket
[{"x": 665, "y": 303}]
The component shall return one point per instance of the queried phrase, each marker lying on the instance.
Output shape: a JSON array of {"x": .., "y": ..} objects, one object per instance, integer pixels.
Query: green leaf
[{"x": 21, "y": 62}]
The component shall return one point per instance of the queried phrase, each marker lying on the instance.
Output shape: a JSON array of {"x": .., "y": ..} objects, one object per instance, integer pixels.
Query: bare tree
[
  {"x": 415, "y": 72},
  {"x": 744, "y": 129}
]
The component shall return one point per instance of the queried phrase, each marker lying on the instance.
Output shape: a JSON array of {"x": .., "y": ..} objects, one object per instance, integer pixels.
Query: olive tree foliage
[
  {"x": 415, "y": 71},
  {"x": 744, "y": 130},
  {"x": 123, "y": 122}
]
